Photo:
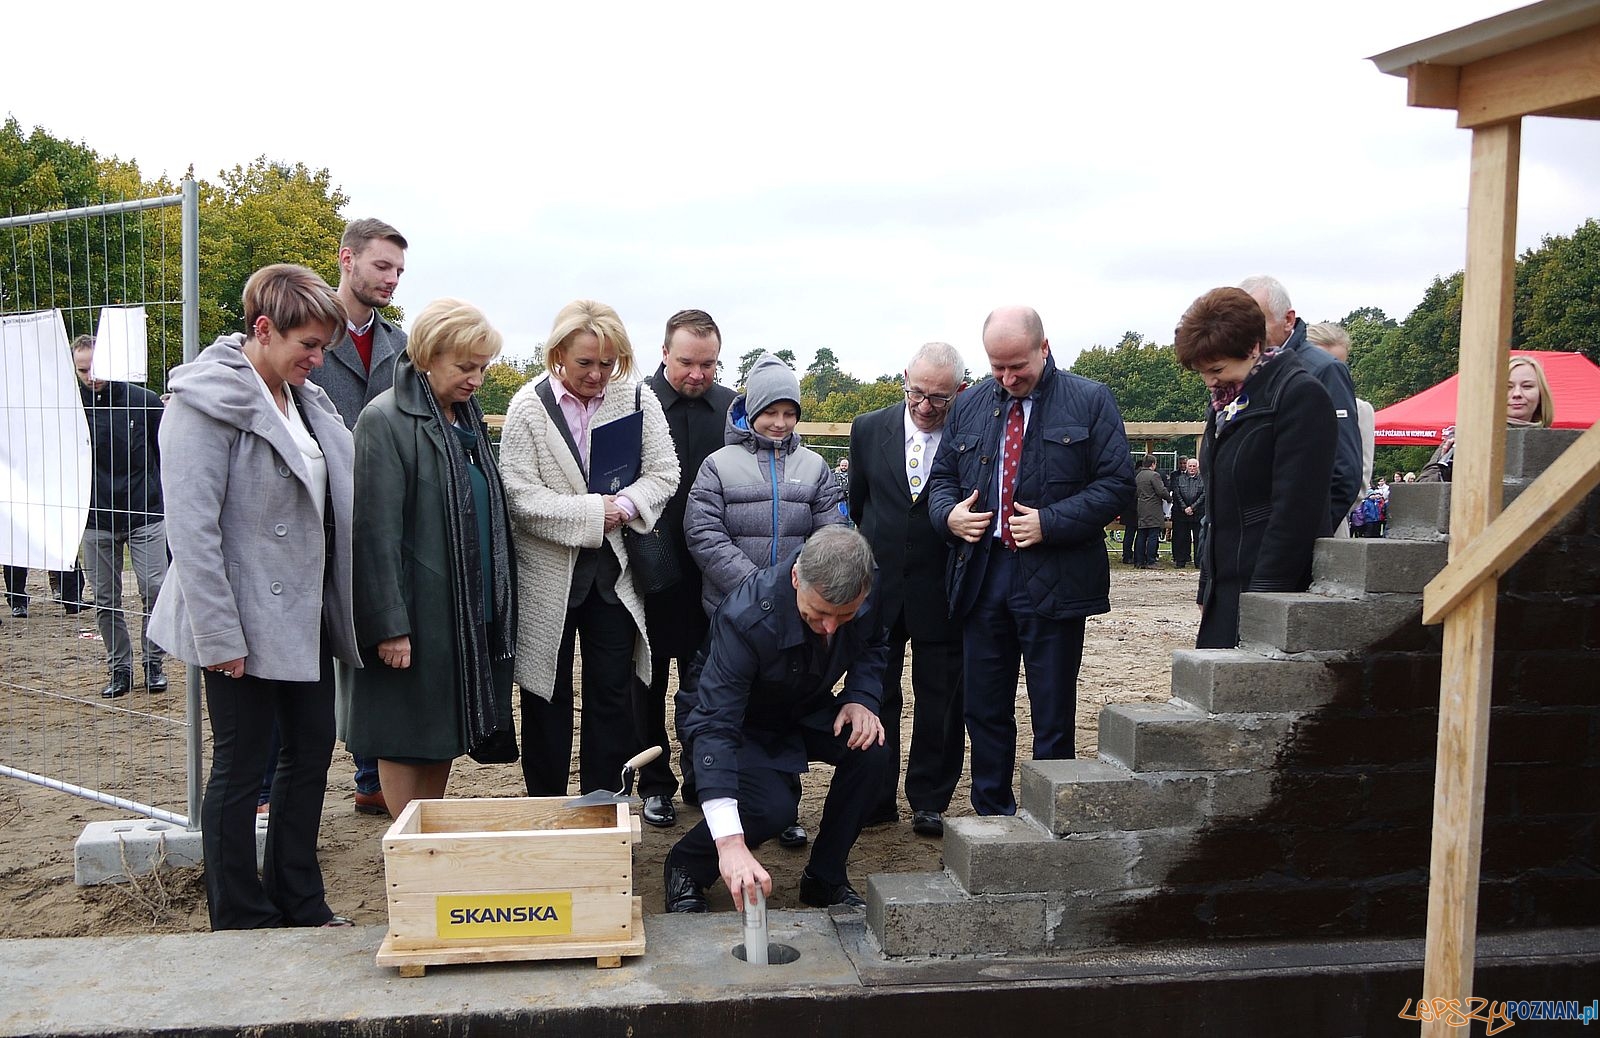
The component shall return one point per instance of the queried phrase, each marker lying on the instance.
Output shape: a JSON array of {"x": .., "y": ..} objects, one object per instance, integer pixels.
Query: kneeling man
[{"x": 761, "y": 705}]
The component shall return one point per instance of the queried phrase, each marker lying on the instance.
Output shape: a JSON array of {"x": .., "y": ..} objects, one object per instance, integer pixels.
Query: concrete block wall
[{"x": 1286, "y": 790}]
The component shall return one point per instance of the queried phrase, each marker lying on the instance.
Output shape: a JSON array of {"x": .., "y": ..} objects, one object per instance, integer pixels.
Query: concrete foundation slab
[
  {"x": 314, "y": 983},
  {"x": 111, "y": 852}
]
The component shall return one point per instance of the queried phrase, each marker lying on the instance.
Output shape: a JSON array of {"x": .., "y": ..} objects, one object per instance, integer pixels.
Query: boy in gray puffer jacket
[{"x": 761, "y": 495}]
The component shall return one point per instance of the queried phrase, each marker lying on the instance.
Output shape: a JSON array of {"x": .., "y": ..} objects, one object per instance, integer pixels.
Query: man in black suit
[
  {"x": 891, "y": 452},
  {"x": 696, "y": 408}
]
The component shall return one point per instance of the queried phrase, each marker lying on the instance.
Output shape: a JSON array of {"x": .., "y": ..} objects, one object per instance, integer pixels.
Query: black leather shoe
[
  {"x": 818, "y": 894},
  {"x": 121, "y": 685},
  {"x": 794, "y": 836},
  {"x": 927, "y": 823},
  {"x": 683, "y": 894},
  {"x": 659, "y": 812},
  {"x": 20, "y": 611},
  {"x": 154, "y": 679}
]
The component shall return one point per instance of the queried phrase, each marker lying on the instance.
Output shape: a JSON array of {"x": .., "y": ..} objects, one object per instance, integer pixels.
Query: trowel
[{"x": 623, "y": 795}]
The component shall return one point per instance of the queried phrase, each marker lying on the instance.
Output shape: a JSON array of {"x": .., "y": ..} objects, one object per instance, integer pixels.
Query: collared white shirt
[{"x": 919, "y": 448}]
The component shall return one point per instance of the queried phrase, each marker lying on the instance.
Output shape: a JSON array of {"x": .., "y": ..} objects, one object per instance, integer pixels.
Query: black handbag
[{"x": 651, "y": 556}]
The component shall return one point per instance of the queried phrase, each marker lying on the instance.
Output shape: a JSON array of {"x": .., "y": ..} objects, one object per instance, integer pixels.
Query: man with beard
[
  {"x": 696, "y": 408},
  {"x": 372, "y": 256},
  {"x": 891, "y": 453}
]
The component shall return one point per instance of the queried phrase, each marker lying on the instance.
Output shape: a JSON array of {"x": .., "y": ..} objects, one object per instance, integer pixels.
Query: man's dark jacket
[
  {"x": 124, "y": 427},
  {"x": 1075, "y": 469},
  {"x": 912, "y": 557},
  {"x": 1327, "y": 369},
  {"x": 1188, "y": 492},
  {"x": 764, "y": 676},
  {"x": 676, "y": 620}
]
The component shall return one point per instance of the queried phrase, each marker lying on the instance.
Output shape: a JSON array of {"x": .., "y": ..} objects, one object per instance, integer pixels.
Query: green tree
[
  {"x": 824, "y": 378},
  {"x": 501, "y": 380},
  {"x": 83, "y": 264},
  {"x": 1146, "y": 379},
  {"x": 846, "y": 404},
  {"x": 1558, "y": 294},
  {"x": 748, "y": 358},
  {"x": 266, "y": 212}
]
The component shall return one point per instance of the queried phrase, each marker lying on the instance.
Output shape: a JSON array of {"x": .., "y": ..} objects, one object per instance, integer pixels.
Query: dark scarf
[
  {"x": 1229, "y": 392},
  {"x": 473, "y": 653}
]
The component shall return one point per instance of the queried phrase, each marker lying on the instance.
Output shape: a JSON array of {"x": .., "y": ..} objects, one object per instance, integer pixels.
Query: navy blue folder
[{"x": 614, "y": 453}]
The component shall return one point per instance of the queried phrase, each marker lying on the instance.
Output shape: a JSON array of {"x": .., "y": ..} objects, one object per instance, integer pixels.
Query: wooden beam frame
[
  {"x": 1468, "y": 665},
  {"x": 1557, "y": 76}
]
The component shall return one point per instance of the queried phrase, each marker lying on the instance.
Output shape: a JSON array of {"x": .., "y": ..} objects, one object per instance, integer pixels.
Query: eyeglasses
[{"x": 938, "y": 403}]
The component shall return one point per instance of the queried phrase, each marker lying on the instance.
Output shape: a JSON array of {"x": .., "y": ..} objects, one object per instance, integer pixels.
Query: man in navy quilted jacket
[{"x": 1032, "y": 466}]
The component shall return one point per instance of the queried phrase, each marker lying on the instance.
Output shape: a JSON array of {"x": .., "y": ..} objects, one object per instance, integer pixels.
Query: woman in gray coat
[
  {"x": 435, "y": 583},
  {"x": 258, "y": 522}
]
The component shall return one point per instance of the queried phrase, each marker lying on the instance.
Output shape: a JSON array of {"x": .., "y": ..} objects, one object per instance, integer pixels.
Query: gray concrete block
[
  {"x": 1375, "y": 566},
  {"x": 1419, "y": 511},
  {"x": 1530, "y": 451},
  {"x": 113, "y": 852},
  {"x": 1175, "y": 737},
  {"x": 926, "y": 913},
  {"x": 1574, "y": 522},
  {"x": 1013, "y": 855},
  {"x": 1287, "y": 622},
  {"x": 1158, "y": 854},
  {"x": 1087, "y": 920},
  {"x": 1234, "y": 681},
  {"x": 1090, "y": 796},
  {"x": 1240, "y": 794}
]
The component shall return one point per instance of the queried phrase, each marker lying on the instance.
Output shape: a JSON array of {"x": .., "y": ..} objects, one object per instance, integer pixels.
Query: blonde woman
[
  {"x": 574, "y": 583},
  {"x": 1528, "y": 403},
  {"x": 435, "y": 579}
]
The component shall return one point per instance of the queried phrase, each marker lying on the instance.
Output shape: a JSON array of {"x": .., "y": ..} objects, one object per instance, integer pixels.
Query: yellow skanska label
[{"x": 475, "y": 916}]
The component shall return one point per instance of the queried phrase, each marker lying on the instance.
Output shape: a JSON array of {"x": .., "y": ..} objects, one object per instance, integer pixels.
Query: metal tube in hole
[{"x": 755, "y": 928}]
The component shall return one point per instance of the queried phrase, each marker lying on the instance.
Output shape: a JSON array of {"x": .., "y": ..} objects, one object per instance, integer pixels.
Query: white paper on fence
[
  {"x": 45, "y": 453},
  {"x": 121, "y": 345}
]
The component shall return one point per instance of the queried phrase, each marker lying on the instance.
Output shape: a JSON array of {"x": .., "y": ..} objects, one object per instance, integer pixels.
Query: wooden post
[{"x": 1469, "y": 631}]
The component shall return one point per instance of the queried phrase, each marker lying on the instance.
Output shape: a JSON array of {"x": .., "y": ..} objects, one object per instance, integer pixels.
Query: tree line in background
[{"x": 270, "y": 212}]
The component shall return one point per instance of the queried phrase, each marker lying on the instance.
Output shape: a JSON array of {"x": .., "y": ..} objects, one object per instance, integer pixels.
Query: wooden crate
[{"x": 507, "y": 879}]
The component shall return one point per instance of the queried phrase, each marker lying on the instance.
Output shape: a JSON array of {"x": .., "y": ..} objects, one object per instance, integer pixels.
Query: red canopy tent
[{"x": 1420, "y": 420}]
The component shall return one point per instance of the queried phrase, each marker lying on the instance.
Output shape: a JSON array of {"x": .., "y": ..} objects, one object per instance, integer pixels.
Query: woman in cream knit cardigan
[{"x": 573, "y": 580}]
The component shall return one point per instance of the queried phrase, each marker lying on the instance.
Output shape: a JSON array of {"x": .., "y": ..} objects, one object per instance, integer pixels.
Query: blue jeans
[{"x": 1147, "y": 546}]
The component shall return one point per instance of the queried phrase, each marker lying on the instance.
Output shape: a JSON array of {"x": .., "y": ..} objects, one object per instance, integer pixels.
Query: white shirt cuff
[{"x": 722, "y": 817}]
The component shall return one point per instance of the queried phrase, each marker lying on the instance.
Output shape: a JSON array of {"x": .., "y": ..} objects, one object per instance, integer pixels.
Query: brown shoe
[{"x": 371, "y": 803}]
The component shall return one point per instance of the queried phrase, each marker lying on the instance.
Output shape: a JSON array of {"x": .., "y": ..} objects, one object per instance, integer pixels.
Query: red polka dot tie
[{"x": 1010, "y": 457}]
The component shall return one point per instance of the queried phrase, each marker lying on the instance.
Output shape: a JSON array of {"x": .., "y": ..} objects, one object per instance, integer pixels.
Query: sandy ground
[{"x": 52, "y": 721}]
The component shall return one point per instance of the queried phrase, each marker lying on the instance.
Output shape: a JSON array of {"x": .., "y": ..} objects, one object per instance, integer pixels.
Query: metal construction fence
[{"x": 126, "y": 272}]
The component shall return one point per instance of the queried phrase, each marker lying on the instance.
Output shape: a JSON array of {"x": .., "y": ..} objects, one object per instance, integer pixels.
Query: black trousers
[
  {"x": 1185, "y": 542},
  {"x": 606, "y": 736},
  {"x": 769, "y": 802},
  {"x": 1002, "y": 630},
  {"x": 289, "y": 890},
  {"x": 70, "y": 586},
  {"x": 938, "y": 733},
  {"x": 650, "y": 723}
]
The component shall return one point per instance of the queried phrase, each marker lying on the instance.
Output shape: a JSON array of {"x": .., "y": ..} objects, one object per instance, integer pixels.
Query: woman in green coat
[{"x": 435, "y": 584}]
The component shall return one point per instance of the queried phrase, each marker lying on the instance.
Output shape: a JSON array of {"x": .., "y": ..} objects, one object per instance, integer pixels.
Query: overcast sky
[{"x": 860, "y": 176}]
